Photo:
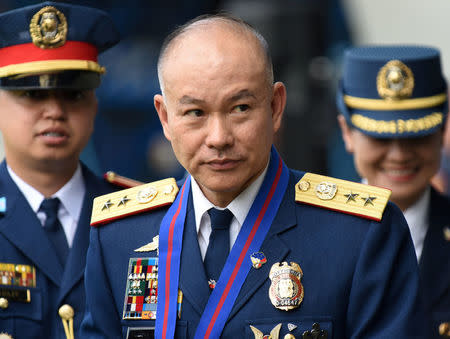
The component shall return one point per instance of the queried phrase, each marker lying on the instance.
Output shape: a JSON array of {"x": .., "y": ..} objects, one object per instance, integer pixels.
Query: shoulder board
[
  {"x": 118, "y": 180},
  {"x": 341, "y": 195},
  {"x": 133, "y": 200}
]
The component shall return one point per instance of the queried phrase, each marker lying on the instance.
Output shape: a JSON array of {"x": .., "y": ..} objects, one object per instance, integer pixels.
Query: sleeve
[
  {"x": 384, "y": 300},
  {"x": 100, "y": 319}
]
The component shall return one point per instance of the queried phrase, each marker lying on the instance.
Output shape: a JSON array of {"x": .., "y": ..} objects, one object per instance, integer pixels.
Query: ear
[
  {"x": 278, "y": 104},
  {"x": 160, "y": 106},
  {"x": 347, "y": 134}
]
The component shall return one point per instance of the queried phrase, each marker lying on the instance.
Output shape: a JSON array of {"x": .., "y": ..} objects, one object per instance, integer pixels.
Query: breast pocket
[
  {"x": 320, "y": 328},
  {"x": 20, "y": 311}
]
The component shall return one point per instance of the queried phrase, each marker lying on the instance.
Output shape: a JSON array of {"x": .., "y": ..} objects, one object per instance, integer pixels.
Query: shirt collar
[
  {"x": 419, "y": 209},
  {"x": 240, "y": 206},
  {"x": 71, "y": 194}
]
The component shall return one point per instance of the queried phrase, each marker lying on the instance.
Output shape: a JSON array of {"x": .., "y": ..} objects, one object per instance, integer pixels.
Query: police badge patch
[{"x": 286, "y": 290}]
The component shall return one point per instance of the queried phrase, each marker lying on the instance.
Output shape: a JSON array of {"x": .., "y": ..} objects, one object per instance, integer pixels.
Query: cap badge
[
  {"x": 48, "y": 28},
  {"x": 286, "y": 290},
  {"x": 395, "y": 81}
]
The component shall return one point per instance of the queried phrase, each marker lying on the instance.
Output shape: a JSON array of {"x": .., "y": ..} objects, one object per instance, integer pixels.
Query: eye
[
  {"x": 73, "y": 95},
  {"x": 194, "y": 113},
  {"x": 32, "y": 94},
  {"x": 241, "y": 108}
]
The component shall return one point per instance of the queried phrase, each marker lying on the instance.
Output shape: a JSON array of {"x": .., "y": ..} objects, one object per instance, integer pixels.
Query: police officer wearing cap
[
  {"x": 393, "y": 105},
  {"x": 48, "y": 76},
  {"x": 244, "y": 247}
]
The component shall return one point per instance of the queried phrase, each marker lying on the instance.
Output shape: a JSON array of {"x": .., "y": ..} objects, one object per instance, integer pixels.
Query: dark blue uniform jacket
[
  {"x": 434, "y": 264},
  {"x": 23, "y": 241},
  {"x": 360, "y": 277}
]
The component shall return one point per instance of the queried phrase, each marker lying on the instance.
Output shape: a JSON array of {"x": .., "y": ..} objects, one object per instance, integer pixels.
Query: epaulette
[
  {"x": 341, "y": 195},
  {"x": 115, "y": 179},
  {"x": 133, "y": 200}
]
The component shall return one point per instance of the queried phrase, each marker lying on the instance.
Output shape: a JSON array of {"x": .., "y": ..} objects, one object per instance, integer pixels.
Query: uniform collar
[
  {"x": 239, "y": 206},
  {"x": 71, "y": 194}
]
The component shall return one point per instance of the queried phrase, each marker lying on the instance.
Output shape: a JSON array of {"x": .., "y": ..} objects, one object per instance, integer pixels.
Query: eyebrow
[
  {"x": 245, "y": 93},
  {"x": 186, "y": 99}
]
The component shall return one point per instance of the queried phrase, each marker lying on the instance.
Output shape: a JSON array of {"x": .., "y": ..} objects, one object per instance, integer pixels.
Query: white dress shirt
[
  {"x": 239, "y": 207},
  {"x": 417, "y": 218},
  {"x": 71, "y": 196}
]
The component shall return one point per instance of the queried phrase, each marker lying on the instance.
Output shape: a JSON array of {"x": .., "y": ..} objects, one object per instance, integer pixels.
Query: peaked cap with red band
[{"x": 53, "y": 45}]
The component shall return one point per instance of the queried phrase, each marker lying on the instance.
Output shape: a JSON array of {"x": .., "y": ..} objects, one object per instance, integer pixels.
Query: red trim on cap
[{"x": 71, "y": 50}]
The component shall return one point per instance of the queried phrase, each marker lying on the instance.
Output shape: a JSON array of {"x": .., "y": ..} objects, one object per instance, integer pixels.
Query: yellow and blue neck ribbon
[{"x": 237, "y": 266}]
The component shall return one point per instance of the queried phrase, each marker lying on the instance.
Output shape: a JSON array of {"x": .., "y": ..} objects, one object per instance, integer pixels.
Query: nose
[
  {"x": 401, "y": 150},
  {"x": 219, "y": 132},
  {"x": 54, "y": 108}
]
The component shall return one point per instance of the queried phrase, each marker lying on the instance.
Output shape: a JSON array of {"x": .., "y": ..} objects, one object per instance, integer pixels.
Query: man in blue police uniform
[
  {"x": 48, "y": 75},
  {"x": 244, "y": 247},
  {"x": 393, "y": 103}
]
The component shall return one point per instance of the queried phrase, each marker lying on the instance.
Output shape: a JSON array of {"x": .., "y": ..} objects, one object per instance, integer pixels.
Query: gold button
[
  {"x": 303, "y": 185},
  {"x": 289, "y": 336},
  {"x": 66, "y": 312},
  {"x": 5, "y": 335},
  {"x": 444, "y": 330},
  {"x": 4, "y": 304}
]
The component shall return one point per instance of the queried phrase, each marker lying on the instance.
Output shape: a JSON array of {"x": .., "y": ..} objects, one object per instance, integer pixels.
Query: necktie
[
  {"x": 219, "y": 242},
  {"x": 54, "y": 228}
]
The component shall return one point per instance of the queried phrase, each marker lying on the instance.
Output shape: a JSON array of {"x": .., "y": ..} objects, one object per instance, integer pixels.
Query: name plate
[
  {"x": 141, "y": 333},
  {"x": 23, "y": 296}
]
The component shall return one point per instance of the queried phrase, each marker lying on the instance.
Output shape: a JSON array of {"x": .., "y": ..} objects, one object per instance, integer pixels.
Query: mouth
[
  {"x": 53, "y": 136},
  {"x": 223, "y": 164},
  {"x": 401, "y": 174}
]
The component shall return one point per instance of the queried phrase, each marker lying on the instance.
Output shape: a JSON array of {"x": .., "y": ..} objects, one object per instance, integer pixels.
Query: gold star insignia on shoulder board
[
  {"x": 107, "y": 205},
  {"x": 351, "y": 196},
  {"x": 368, "y": 200},
  {"x": 138, "y": 199},
  {"x": 339, "y": 195},
  {"x": 123, "y": 201}
]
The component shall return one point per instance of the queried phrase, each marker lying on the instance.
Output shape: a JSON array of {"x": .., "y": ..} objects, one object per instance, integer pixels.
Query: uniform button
[
  {"x": 5, "y": 335},
  {"x": 66, "y": 312},
  {"x": 444, "y": 330},
  {"x": 4, "y": 305}
]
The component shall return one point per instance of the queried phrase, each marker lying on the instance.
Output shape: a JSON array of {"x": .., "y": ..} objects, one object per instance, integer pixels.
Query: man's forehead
[{"x": 204, "y": 36}]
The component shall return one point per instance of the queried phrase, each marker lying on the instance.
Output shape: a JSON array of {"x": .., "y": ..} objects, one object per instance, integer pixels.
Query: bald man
[{"x": 244, "y": 246}]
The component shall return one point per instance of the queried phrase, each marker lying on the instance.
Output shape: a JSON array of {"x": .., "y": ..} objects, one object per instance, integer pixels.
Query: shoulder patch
[
  {"x": 341, "y": 195},
  {"x": 133, "y": 200}
]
